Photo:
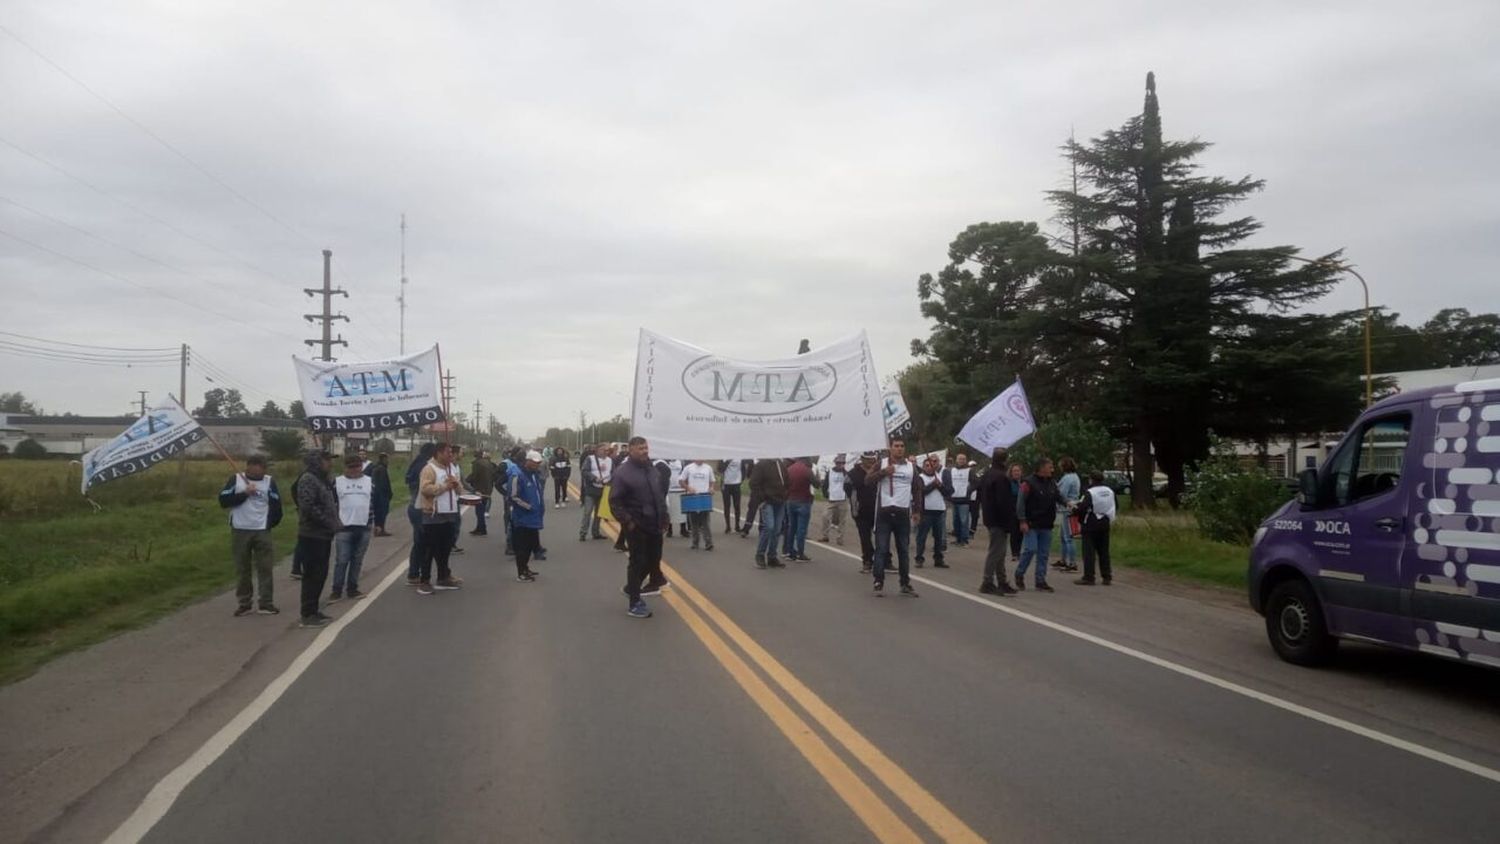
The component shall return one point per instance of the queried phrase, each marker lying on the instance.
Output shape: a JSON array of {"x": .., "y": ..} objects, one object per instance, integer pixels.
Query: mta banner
[
  {"x": 692, "y": 403},
  {"x": 1001, "y": 423},
  {"x": 376, "y": 396},
  {"x": 162, "y": 432}
]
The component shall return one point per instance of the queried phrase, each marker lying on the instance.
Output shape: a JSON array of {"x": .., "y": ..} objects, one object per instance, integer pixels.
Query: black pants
[
  {"x": 645, "y": 560},
  {"x": 866, "y": 530},
  {"x": 1096, "y": 543},
  {"x": 750, "y": 513},
  {"x": 732, "y": 504},
  {"x": 1016, "y": 538},
  {"x": 315, "y": 554},
  {"x": 526, "y": 541},
  {"x": 973, "y": 517},
  {"x": 437, "y": 544},
  {"x": 560, "y": 487}
]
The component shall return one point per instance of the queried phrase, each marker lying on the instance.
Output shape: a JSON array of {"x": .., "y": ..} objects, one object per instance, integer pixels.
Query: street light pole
[{"x": 1369, "y": 357}]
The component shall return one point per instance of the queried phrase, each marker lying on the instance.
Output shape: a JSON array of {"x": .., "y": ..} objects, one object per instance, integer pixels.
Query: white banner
[
  {"x": 162, "y": 432},
  {"x": 691, "y": 403},
  {"x": 893, "y": 407},
  {"x": 1002, "y": 423},
  {"x": 375, "y": 396}
]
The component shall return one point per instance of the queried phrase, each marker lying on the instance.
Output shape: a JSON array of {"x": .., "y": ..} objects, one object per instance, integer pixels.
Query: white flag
[
  {"x": 1001, "y": 423},
  {"x": 374, "y": 396},
  {"x": 162, "y": 432},
  {"x": 893, "y": 407},
  {"x": 691, "y": 403}
]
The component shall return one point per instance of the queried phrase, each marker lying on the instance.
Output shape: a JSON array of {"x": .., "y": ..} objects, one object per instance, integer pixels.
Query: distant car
[{"x": 1117, "y": 481}]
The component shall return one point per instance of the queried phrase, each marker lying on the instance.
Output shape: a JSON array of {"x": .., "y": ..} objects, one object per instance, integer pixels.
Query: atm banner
[{"x": 375, "y": 396}]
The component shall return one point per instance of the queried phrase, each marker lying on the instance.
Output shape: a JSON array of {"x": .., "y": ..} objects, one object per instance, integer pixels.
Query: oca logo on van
[
  {"x": 1341, "y": 528},
  {"x": 731, "y": 387}
]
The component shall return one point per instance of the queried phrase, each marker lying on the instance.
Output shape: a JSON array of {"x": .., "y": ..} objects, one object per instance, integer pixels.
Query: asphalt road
[{"x": 792, "y": 705}]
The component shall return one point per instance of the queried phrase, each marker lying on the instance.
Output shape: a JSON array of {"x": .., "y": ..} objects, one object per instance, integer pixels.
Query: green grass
[
  {"x": 76, "y": 577},
  {"x": 1169, "y": 543}
]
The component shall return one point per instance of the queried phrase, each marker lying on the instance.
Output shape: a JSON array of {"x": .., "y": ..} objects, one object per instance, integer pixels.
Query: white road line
[
  {"x": 161, "y": 797},
  {"x": 1271, "y": 700}
]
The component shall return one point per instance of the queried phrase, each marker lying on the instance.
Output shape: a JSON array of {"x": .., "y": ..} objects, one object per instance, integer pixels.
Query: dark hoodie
[{"x": 317, "y": 506}]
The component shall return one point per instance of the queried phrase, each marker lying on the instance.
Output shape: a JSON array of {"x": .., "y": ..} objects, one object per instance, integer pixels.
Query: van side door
[{"x": 1359, "y": 527}]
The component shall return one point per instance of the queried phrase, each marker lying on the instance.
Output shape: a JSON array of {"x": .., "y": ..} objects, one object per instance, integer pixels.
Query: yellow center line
[{"x": 938, "y": 817}]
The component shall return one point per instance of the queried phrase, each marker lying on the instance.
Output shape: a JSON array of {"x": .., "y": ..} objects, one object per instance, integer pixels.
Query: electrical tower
[
  {"x": 328, "y": 316},
  {"x": 143, "y": 401},
  {"x": 448, "y": 380},
  {"x": 401, "y": 299}
]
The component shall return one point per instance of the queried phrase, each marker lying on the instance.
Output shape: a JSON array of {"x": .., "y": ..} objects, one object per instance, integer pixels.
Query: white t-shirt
[
  {"x": 895, "y": 490},
  {"x": 354, "y": 500},
  {"x": 732, "y": 474},
  {"x": 836, "y": 481},
  {"x": 960, "y": 479},
  {"x": 697, "y": 477}
]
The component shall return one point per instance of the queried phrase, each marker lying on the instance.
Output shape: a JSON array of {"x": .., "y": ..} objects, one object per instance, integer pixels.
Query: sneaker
[
  {"x": 940, "y": 565},
  {"x": 540, "y": 556},
  {"x": 413, "y": 581},
  {"x": 314, "y": 621},
  {"x": 267, "y": 609},
  {"x": 866, "y": 569},
  {"x": 335, "y": 596},
  {"x": 1043, "y": 587},
  {"x": 908, "y": 592},
  {"x": 879, "y": 589},
  {"x": 526, "y": 577},
  {"x": 478, "y": 533},
  {"x": 355, "y": 594},
  {"x": 582, "y": 538},
  {"x": 638, "y": 609},
  {"x": 532, "y": 572},
  {"x": 1084, "y": 581},
  {"x": 695, "y": 547},
  {"x": 446, "y": 585},
  {"x": 655, "y": 588},
  {"x": 1060, "y": 565},
  {"x": 824, "y": 540},
  {"x": 245, "y": 610},
  {"x": 510, "y": 552},
  {"x": 921, "y": 562},
  {"x": 325, "y": 617},
  {"x": 708, "y": 547},
  {"x": 1106, "y": 581},
  {"x": 296, "y": 575},
  {"x": 760, "y": 561},
  {"x": 457, "y": 550},
  {"x": 1007, "y": 589},
  {"x": 1020, "y": 585},
  {"x": 988, "y": 588},
  {"x": 803, "y": 558},
  {"x": 424, "y": 589},
  {"x": 775, "y": 563}
]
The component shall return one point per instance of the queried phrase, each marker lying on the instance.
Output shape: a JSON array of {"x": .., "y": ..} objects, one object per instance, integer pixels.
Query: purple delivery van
[{"x": 1396, "y": 539}]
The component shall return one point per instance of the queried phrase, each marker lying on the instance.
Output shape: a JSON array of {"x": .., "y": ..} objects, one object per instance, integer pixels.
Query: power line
[
  {"x": 86, "y": 361},
  {"x": 73, "y": 353},
  {"x": 171, "y": 349}
]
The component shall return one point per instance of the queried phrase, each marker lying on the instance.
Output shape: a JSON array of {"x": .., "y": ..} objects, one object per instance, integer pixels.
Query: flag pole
[
  {"x": 443, "y": 391},
  {"x": 210, "y": 438}
]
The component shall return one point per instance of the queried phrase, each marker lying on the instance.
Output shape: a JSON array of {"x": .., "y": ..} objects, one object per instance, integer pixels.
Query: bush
[
  {"x": 1064, "y": 435},
  {"x": 1230, "y": 501},
  {"x": 30, "y": 449},
  {"x": 282, "y": 443}
]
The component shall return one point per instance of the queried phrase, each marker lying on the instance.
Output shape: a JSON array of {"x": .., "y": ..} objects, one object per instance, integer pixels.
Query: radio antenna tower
[{"x": 402, "y": 298}]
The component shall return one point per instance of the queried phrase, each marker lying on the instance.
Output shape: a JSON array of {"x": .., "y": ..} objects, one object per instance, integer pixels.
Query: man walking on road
[
  {"x": 799, "y": 501},
  {"x": 768, "y": 486},
  {"x": 381, "y": 493},
  {"x": 1036, "y": 509},
  {"x": 562, "y": 470},
  {"x": 638, "y": 499},
  {"x": 732, "y": 474},
  {"x": 414, "y": 511},
  {"x": 932, "y": 502},
  {"x": 254, "y": 505},
  {"x": 438, "y": 492},
  {"x": 997, "y": 504},
  {"x": 957, "y": 479},
  {"x": 893, "y": 517},
  {"x": 524, "y": 493},
  {"x": 836, "y": 486},
  {"x": 865, "y": 499},
  {"x": 354, "y": 491},
  {"x": 317, "y": 522},
  {"x": 482, "y": 479},
  {"x": 698, "y": 479}
]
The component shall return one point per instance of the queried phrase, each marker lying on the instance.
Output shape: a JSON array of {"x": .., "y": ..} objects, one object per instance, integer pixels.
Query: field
[{"x": 71, "y": 575}]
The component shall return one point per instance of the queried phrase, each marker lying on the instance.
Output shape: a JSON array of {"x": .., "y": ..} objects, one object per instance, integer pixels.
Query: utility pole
[
  {"x": 328, "y": 316},
  {"x": 182, "y": 379},
  {"x": 477, "y": 429},
  {"x": 143, "y": 401},
  {"x": 401, "y": 299}
]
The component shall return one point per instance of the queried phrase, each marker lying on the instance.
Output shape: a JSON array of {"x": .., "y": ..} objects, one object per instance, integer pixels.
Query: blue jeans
[
  {"x": 1069, "y": 542},
  {"x": 349, "y": 547},
  {"x": 418, "y": 541},
  {"x": 1037, "y": 543},
  {"x": 961, "y": 523},
  {"x": 798, "y": 515},
  {"x": 933, "y": 522},
  {"x": 771, "y": 515},
  {"x": 892, "y": 527}
]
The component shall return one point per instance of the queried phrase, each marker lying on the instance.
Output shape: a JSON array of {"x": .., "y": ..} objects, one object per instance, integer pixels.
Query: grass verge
[{"x": 1169, "y": 543}]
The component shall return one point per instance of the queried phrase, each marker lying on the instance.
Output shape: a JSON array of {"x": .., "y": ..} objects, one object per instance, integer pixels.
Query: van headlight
[{"x": 1260, "y": 534}]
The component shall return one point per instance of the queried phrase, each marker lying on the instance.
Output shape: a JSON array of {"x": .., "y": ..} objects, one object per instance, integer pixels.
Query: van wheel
[{"x": 1295, "y": 625}]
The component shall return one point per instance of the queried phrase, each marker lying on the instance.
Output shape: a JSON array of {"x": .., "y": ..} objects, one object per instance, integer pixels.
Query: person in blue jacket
[{"x": 523, "y": 490}]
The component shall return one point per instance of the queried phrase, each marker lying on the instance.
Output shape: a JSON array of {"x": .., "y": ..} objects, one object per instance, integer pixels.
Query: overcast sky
[{"x": 737, "y": 175}]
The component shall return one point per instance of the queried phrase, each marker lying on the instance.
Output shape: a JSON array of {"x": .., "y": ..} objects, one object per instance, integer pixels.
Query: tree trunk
[{"x": 1141, "y": 494}]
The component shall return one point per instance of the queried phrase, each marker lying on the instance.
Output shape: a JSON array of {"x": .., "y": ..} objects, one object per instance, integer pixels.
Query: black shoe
[
  {"x": 866, "y": 569},
  {"x": 583, "y": 539},
  {"x": 477, "y": 532},
  {"x": 599, "y": 536},
  {"x": 1106, "y": 581},
  {"x": 654, "y": 588},
  {"x": 245, "y": 610},
  {"x": 1007, "y": 589},
  {"x": 775, "y": 563},
  {"x": 988, "y": 588},
  {"x": 760, "y": 561},
  {"x": 510, "y": 552},
  {"x": 802, "y": 558},
  {"x": 940, "y": 565},
  {"x": 525, "y": 578},
  {"x": 457, "y": 550},
  {"x": 267, "y": 609},
  {"x": 1084, "y": 581},
  {"x": 921, "y": 563},
  {"x": 314, "y": 621},
  {"x": 879, "y": 589},
  {"x": 1043, "y": 587},
  {"x": 908, "y": 592},
  {"x": 296, "y": 575},
  {"x": 1020, "y": 585},
  {"x": 708, "y": 547}
]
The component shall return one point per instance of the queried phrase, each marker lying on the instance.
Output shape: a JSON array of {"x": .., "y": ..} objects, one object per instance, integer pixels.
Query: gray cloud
[{"x": 738, "y": 177}]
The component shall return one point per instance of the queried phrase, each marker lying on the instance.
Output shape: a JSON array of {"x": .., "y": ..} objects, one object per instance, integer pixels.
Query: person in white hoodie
[{"x": 1095, "y": 510}]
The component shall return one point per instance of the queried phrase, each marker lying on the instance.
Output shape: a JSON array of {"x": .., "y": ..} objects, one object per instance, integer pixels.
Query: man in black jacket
[
  {"x": 1036, "y": 510},
  {"x": 864, "y": 509},
  {"x": 638, "y": 500},
  {"x": 997, "y": 505},
  {"x": 317, "y": 522}
]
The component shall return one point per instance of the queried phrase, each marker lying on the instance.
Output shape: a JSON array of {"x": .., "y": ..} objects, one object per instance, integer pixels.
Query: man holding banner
[{"x": 893, "y": 482}]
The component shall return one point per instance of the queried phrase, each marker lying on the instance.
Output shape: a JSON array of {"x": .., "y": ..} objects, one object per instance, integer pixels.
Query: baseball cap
[{"x": 535, "y": 456}]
